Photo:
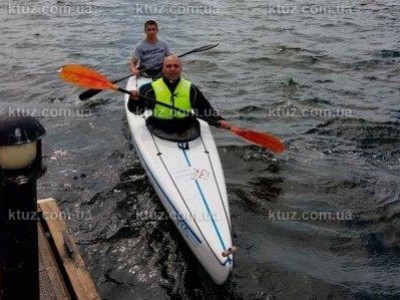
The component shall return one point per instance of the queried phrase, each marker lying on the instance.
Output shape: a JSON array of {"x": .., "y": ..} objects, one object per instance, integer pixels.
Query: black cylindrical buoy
[{"x": 20, "y": 166}]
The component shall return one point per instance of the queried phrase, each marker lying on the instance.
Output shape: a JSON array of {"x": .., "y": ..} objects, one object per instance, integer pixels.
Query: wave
[
  {"x": 250, "y": 109},
  {"x": 360, "y": 130},
  {"x": 389, "y": 53}
]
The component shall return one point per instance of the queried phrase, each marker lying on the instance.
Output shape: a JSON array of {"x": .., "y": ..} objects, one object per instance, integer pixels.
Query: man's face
[
  {"x": 172, "y": 68},
  {"x": 151, "y": 31}
]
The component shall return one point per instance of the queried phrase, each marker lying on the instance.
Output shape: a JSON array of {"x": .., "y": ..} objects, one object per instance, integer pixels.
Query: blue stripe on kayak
[
  {"x": 187, "y": 158},
  {"x": 205, "y": 203},
  {"x": 210, "y": 214},
  {"x": 227, "y": 261},
  {"x": 165, "y": 195}
]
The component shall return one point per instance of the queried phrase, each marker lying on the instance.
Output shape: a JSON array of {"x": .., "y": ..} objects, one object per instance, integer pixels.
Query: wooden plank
[
  {"x": 74, "y": 265},
  {"x": 53, "y": 277}
]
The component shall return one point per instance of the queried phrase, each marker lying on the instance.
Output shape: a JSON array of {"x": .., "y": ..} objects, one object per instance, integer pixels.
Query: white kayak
[{"x": 191, "y": 185}]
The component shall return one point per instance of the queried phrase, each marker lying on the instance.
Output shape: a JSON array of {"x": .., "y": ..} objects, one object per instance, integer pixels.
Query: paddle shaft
[
  {"x": 86, "y": 77},
  {"x": 92, "y": 92}
]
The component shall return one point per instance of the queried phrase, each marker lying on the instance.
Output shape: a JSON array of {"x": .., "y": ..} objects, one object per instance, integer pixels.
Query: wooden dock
[{"x": 62, "y": 272}]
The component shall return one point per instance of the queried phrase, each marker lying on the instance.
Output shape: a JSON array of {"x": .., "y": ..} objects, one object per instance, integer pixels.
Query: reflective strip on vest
[{"x": 179, "y": 99}]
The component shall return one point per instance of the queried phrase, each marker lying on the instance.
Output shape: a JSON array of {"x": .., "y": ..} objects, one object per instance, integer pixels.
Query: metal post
[{"x": 20, "y": 166}]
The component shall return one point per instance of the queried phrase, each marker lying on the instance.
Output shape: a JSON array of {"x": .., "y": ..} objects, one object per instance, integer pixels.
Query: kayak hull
[{"x": 189, "y": 180}]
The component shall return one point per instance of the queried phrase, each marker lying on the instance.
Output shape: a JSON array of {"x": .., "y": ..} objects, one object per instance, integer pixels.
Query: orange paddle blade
[
  {"x": 84, "y": 77},
  {"x": 264, "y": 140}
]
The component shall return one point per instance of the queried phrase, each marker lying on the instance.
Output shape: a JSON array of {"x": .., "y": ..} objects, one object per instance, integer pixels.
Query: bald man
[{"x": 173, "y": 90}]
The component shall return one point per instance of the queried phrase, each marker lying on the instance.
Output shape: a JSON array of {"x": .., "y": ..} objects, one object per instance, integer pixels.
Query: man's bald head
[
  {"x": 172, "y": 59},
  {"x": 172, "y": 67}
]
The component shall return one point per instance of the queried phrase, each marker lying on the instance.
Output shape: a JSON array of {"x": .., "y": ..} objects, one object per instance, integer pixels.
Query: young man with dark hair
[{"x": 150, "y": 52}]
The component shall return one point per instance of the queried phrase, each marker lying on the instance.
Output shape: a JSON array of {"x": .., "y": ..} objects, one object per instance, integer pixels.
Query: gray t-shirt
[{"x": 150, "y": 55}]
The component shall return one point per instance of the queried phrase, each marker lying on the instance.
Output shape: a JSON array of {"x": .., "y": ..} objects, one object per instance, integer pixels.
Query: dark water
[{"x": 321, "y": 221}]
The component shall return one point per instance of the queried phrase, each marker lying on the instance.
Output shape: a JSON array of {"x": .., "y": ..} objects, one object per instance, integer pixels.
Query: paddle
[
  {"x": 92, "y": 92},
  {"x": 88, "y": 78}
]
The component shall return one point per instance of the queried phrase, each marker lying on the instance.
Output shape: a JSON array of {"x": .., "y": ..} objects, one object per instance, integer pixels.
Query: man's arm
[
  {"x": 167, "y": 51},
  {"x": 134, "y": 60},
  {"x": 138, "y": 104},
  {"x": 132, "y": 66},
  {"x": 202, "y": 106}
]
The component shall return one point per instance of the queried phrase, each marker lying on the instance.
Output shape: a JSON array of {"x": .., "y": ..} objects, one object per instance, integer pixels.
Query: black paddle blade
[
  {"x": 200, "y": 49},
  {"x": 205, "y": 48},
  {"x": 88, "y": 94}
]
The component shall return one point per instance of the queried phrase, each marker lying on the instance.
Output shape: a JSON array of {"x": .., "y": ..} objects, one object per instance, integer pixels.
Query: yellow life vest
[{"x": 180, "y": 98}]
